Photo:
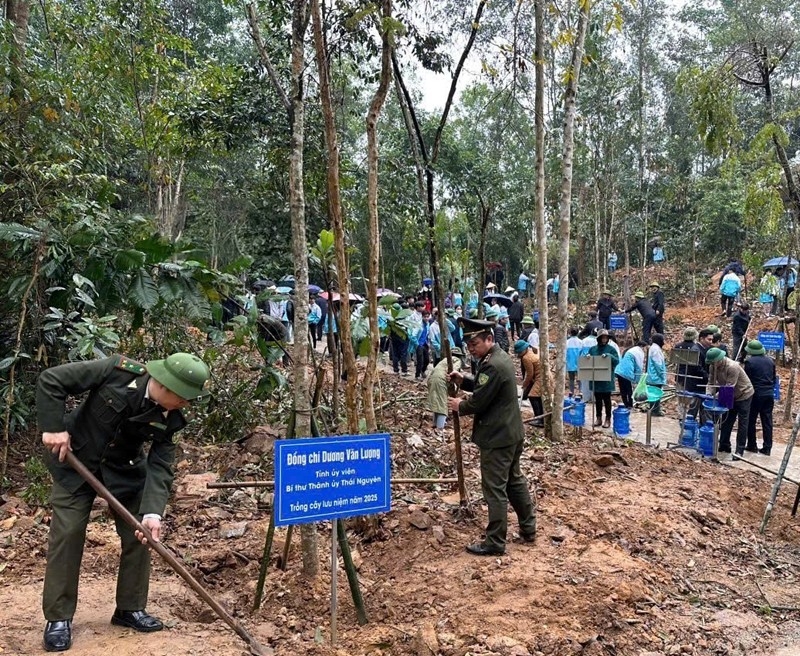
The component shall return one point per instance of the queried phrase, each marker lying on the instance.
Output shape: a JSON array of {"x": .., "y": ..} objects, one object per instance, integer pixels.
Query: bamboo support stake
[
  {"x": 352, "y": 575},
  {"x": 166, "y": 554},
  {"x": 781, "y": 471},
  {"x": 262, "y": 571}
]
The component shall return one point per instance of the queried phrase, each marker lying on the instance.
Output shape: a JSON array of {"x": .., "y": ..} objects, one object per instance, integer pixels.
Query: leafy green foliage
[{"x": 37, "y": 491}]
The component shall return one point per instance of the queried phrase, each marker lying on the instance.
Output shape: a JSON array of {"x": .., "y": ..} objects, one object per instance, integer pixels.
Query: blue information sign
[
  {"x": 772, "y": 341},
  {"x": 321, "y": 478},
  {"x": 619, "y": 321}
]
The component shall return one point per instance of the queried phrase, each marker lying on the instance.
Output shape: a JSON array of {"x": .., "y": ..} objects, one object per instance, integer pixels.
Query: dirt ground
[{"x": 640, "y": 552}]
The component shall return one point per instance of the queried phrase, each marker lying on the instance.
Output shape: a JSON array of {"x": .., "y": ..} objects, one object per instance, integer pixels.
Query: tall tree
[
  {"x": 336, "y": 217},
  {"x": 565, "y": 210},
  {"x": 375, "y": 107}
]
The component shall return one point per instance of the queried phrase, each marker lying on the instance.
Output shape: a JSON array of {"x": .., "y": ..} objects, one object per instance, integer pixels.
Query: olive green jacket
[
  {"x": 494, "y": 402},
  {"x": 109, "y": 428}
]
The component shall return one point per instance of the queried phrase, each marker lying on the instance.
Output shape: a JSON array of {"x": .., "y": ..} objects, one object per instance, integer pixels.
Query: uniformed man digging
[
  {"x": 497, "y": 431},
  {"x": 128, "y": 404}
]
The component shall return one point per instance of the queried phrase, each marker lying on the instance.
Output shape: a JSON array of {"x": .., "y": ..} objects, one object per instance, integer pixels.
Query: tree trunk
[
  {"x": 556, "y": 426},
  {"x": 485, "y": 213},
  {"x": 565, "y": 204},
  {"x": 375, "y": 107},
  {"x": 302, "y": 391},
  {"x": 336, "y": 218}
]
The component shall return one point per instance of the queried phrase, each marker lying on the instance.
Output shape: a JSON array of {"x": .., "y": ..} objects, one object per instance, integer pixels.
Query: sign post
[
  {"x": 772, "y": 341},
  {"x": 321, "y": 478}
]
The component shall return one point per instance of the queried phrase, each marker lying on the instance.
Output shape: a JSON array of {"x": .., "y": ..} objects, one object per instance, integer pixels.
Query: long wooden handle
[{"x": 166, "y": 554}]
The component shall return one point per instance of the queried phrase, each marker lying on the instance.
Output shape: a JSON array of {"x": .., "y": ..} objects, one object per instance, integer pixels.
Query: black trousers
[
  {"x": 740, "y": 411},
  {"x": 760, "y": 407},
  {"x": 602, "y": 399},
  {"x": 422, "y": 360},
  {"x": 726, "y": 302},
  {"x": 516, "y": 329},
  {"x": 647, "y": 327},
  {"x": 625, "y": 391}
]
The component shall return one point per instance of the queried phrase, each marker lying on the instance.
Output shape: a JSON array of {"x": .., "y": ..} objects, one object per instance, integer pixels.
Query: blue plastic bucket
[
  {"x": 706, "y": 443},
  {"x": 621, "y": 420},
  {"x": 574, "y": 412},
  {"x": 689, "y": 435}
]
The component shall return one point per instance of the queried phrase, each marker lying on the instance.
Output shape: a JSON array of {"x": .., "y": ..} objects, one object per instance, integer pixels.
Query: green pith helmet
[
  {"x": 754, "y": 347},
  {"x": 639, "y": 294},
  {"x": 713, "y": 328},
  {"x": 714, "y": 355},
  {"x": 654, "y": 283},
  {"x": 183, "y": 374}
]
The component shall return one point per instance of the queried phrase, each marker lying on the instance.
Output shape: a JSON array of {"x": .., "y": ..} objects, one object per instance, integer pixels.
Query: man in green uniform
[
  {"x": 498, "y": 433},
  {"x": 128, "y": 404}
]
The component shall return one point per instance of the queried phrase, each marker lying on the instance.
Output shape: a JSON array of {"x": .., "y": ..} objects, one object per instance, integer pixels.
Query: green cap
[
  {"x": 528, "y": 321},
  {"x": 714, "y": 355},
  {"x": 492, "y": 313},
  {"x": 183, "y": 374},
  {"x": 713, "y": 328}
]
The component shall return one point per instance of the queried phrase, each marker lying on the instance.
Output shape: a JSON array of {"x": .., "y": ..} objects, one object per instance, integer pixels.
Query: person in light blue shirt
[
  {"x": 629, "y": 371},
  {"x": 656, "y": 369},
  {"x": 729, "y": 288},
  {"x": 658, "y": 254},
  {"x": 574, "y": 348}
]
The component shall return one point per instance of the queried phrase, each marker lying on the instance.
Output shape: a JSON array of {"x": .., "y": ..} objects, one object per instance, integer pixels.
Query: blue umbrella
[
  {"x": 780, "y": 262},
  {"x": 313, "y": 289}
]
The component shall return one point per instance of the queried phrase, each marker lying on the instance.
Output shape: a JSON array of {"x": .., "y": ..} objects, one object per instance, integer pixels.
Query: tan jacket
[
  {"x": 727, "y": 372},
  {"x": 531, "y": 365}
]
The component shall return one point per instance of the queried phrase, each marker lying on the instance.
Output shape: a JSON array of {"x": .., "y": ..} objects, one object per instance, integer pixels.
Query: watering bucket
[
  {"x": 725, "y": 397},
  {"x": 622, "y": 423}
]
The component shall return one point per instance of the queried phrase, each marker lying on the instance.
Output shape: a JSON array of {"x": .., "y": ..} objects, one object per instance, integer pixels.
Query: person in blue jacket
[
  {"x": 629, "y": 371},
  {"x": 656, "y": 369},
  {"x": 574, "y": 348}
]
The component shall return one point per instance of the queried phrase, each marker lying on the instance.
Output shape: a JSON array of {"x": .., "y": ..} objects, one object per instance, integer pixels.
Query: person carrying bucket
[{"x": 725, "y": 373}]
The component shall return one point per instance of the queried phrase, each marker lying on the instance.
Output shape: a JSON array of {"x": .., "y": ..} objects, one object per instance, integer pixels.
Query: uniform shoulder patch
[
  {"x": 131, "y": 366},
  {"x": 483, "y": 379}
]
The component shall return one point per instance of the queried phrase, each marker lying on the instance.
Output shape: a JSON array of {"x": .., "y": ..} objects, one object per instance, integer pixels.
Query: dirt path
[{"x": 21, "y": 623}]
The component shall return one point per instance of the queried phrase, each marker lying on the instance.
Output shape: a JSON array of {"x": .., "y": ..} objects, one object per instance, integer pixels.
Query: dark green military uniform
[
  {"x": 107, "y": 434},
  {"x": 498, "y": 431}
]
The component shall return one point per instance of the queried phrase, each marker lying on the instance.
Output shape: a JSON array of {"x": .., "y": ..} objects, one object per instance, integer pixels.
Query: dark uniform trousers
[
  {"x": 502, "y": 483},
  {"x": 67, "y": 535}
]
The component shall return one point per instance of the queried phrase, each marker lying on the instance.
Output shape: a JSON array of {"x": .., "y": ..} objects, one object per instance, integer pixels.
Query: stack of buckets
[
  {"x": 698, "y": 437},
  {"x": 574, "y": 412}
]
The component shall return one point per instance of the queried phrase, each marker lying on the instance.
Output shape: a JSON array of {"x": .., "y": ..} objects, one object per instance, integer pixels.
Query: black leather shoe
[
  {"x": 724, "y": 449},
  {"x": 481, "y": 549},
  {"x": 751, "y": 449},
  {"x": 764, "y": 452},
  {"x": 57, "y": 635},
  {"x": 740, "y": 452},
  {"x": 138, "y": 620},
  {"x": 527, "y": 537}
]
